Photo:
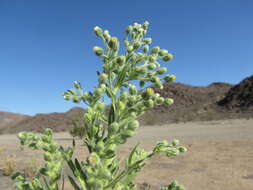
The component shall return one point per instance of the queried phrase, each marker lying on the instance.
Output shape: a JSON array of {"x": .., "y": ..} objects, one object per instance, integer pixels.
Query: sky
[{"x": 45, "y": 45}]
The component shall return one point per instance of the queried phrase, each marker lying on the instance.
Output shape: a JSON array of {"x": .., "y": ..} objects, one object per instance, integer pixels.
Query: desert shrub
[
  {"x": 105, "y": 130},
  {"x": 9, "y": 165},
  {"x": 2, "y": 149},
  {"x": 78, "y": 126},
  {"x": 31, "y": 168}
]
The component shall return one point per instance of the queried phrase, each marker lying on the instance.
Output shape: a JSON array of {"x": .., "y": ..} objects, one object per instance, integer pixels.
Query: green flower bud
[
  {"x": 103, "y": 77},
  {"x": 151, "y": 66},
  {"x": 172, "y": 152},
  {"x": 113, "y": 43},
  {"x": 167, "y": 57},
  {"x": 130, "y": 49},
  {"x": 155, "y": 79},
  {"x": 100, "y": 106},
  {"x": 77, "y": 85},
  {"x": 128, "y": 133},
  {"x": 145, "y": 49},
  {"x": 132, "y": 125},
  {"x": 175, "y": 142},
  {"x": 151, "y": 74},
  {"x": 137, "y": 45},
  {"x": 145, "y": 25},
  {"x": 103, "y": 87},
  {"x": 93, "y": 159},
  {"x": 76, "y": 99},
  {"x": 152, "y": 59},
  {"x": 47, "y": 156},
  {"x": 122, "y": 105},
  {"x": 98, "y": 91},
  {"x": 100, "y": 146},
  {"x": 91, "y": 180},
  {"x": 150, "y": 91},
  {"x": 163, "y": 52},
  {"x": 129, "y": 29},
  {"x": 105, "y": 173},
  {"x": 170, "y": 78},
  {"x": 141, "y": 70},
  {"x": 168, "y": 101},
  {"x": 111, "y": 148},
  {"x": 114, "y": 127},
  {"x": 147, "y": 93},
  {"x": 106, "y": 35},
  {"x": 66, "y": 97},
  {"x": 162, "y": 70},
  {"x": 182, "y": 149},
  {"x": 133, "y": 90},
  {"x": 98, "y": 31},
  {"x": 98, "y": 50},
  {"x": 131, "y": 100},
  {"x": 149, "y": 103},
  {"x": 126, "y": 42},
  {"x": 155, "y": 50},
  {"x": 147, "y": 40},
  {"x": 120, "y": 60},
  {"x": 160, "y": 100},
  {"x": 89, "y": 170},
  {"x": 123, "y": 96},
  {"x": 71, "y": 91}
]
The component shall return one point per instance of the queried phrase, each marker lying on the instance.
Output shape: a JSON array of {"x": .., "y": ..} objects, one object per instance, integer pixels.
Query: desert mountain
[
  {"x": 190, "y": 103},
  {"x": 56, "y": 121},
  {"x": 240, "y": 97},
  {"x": 7, "y": 118},
  {"x": 215, "y": 101}
]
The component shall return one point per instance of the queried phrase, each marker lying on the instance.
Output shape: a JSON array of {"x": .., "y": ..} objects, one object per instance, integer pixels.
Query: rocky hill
[
  {"x": 56, "y": 121},
  {"x": 240, "y": 97},
  {"x": 191, "y": 103},
  {"x": 7, "y": 118}
]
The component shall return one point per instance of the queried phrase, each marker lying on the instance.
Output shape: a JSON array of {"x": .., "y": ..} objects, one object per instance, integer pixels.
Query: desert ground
[{"x": 219, "y": 157}]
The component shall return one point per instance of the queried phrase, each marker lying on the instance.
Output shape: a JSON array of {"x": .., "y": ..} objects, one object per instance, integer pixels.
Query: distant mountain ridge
[
  {"x": 57, "y": 121},
  {"x": 215, "y": 101},
  {"x": 8, "y": 118}
]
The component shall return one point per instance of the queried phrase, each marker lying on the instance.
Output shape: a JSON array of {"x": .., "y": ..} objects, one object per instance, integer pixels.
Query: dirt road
[{"x": 220, "y": 155}]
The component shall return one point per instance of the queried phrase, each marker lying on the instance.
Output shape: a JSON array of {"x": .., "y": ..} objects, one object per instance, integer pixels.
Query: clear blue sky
[{"x": 47, "y": 44}]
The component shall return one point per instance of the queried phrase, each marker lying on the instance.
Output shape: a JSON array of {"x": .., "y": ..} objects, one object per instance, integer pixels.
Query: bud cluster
[
  {"x": 52, "y": 155},
  {"x": 106, "y": 127}
]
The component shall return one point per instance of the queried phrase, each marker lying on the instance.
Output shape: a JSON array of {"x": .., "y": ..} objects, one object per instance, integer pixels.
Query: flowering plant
[{"x": 104, "y": 131}]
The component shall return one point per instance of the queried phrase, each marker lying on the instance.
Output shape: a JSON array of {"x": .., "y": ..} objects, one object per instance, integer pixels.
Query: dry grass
[
  {"x": 31, "y": 167},
  {"x": 9, "y": 165},
  {"x": 2, "y": 149}
]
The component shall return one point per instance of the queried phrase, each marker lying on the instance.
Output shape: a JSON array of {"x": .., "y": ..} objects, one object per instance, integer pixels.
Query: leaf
[
  {"x": 63, "y": 182},
  {"x": 74, "y": 184},
  {"x": 72, "y": 167},
  {"x": 45, "y": 181},
  {"x": 131, "y": 154},
  {"x": 13, "y": 177},
  {"x": 79, "y": 168}
]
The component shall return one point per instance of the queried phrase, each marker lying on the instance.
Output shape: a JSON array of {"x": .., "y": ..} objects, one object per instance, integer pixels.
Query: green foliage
[
  {"x": 51, "y": 173},
  {"x": 105, "y": 130}
]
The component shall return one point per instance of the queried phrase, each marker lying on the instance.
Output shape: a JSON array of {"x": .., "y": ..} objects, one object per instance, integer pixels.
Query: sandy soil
[{"x": 220, "y": 155}]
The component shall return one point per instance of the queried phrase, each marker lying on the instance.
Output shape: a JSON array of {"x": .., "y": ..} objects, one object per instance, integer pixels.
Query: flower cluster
[
  {"x": 53, "y": 161},
  {"x": 107, "y": 127}
]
